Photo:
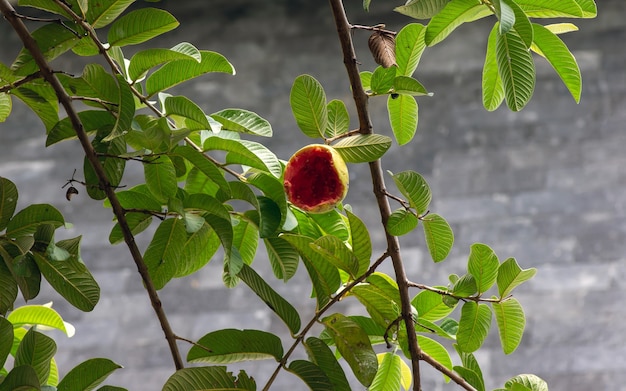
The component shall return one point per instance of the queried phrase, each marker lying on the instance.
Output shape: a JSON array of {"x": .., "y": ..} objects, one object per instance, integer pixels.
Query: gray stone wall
[{"x": 545, "y": 185}]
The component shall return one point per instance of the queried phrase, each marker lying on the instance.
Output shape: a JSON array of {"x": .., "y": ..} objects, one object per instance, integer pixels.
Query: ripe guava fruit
[{"x": 316, "y": 178}]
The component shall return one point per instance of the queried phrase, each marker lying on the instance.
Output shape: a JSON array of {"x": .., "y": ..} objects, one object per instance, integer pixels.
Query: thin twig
[
  {"x": 378, "y": 183},
  {"x": 29, "y": 43},
  {"x": 380, "y": 27},
  {"x": 47, "y": 20},
  {"x": 15, "y": 84},
  {"x": 464, "y": 298},
  {"x": 331, "y": 140}
]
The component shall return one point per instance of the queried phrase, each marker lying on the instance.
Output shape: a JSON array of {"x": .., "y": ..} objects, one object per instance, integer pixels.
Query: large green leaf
[
  {"x": 310, "y": 374},
  {"x": 435, "y": 350},
  {"x": 5, "y": 106},
  {"x": 205, "y": 165},
  {"x": 454, "y": 14},
  {"x": 406, "y": 85},
  {"x": 505, "y": 15},
  {"x": 474, "y": 325},
  {"x": 331, "y": 223},
  {"x": 113, "y": 166},
  {"x": 360, "y": 241},
  {"x": 163, "y": 252},
  {"x": 382, "y": 80},
  {"x": 140, "y": 26},
  {"x": 186, "y": 108},
  {"x": 246, "y": 152},
  {"x": 430, "y": 306},
  {"x": 320, "y": 354},
  {"x": 338, "y": 118},
  {"x": 551, "y": 8},
  {"x": 26, "y": 221},
  {"x": 245, "y": 239},
  {"x": 409, "y": 47},
  {"x": 324, "y": 276},
  {"x": 283, "y": 257},
  {"x": 421, "y": 9},
  {"x": 531, "y": 382},
  {"x": 272, "y": 188},
  {"x": 198, "y": 250},
  {"x": 510, "y": 275},
  {"x": 511, "y": 322},
  {"x": 160, "y": 177},
  {"x": 231, "y": 345},
  {"x": 389, "y": 374},
  {"x": 517, "y": 69},
  {"x": 8, "y": 293},
  {"x": 104, "y": 12},
  {"x": 243, "y": 121},
  {"x": 401, "y": 222},
  {"x": 39, "y": 315},
  {"x": 382, "y": 307},
  {"x": 87, "y": 375},
  {"x": 403, "y": 117},
  {"x": 47, "y": 6},
  {"x": 36, "y": 350},
  {"x": 144, "y": 60},
  {"x": 362, "y": 148},
  {"x": 483, "y": 265},
  {"x": 415, "y": 188},
  {"x": 208, "y": 379},
  {"x": 176, "y": 72},
  {"x": 125, "y": 111},
  {"x": 6, "y": 339},
  {"x": 354, "y": 345},
  {"x": 308, "y": 104},
  {"x": 137, "y": 222},
  {"x": 41, "y": 99},
  {"x": 336, "y": 252},
  {"x": 21, "y": 378},
  {"x": 276, "y": 302},
  {"x": 492, "y": 87},
  {"x": 522, "y": 25},
  {"x": 470, "y": 371},
  {"x": 8, "y": 201},
  {"x": 92, "y": 120},
  {"x": 552, "y": 48},
  {"x": 589, "y": 8}
]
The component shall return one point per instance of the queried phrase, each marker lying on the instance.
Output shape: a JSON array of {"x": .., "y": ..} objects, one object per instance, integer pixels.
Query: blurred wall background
[{"x": 546, "y": 186}]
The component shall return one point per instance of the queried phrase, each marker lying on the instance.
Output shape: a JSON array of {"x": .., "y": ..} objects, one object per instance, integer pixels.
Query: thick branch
[
  {"x": 46, "y": 72},
  {"x": 378, "y": 182}
]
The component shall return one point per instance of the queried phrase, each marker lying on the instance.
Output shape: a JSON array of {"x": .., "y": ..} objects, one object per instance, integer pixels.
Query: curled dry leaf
[{"x": 383, "y": 47}]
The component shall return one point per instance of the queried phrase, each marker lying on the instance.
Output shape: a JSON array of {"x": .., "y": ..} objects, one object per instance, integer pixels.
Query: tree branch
[
  {"x": 46, "y": 72},
  {"x": 378, "y": 183}
]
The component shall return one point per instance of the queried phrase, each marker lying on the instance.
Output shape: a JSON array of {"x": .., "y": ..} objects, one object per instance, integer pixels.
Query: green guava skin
[{"x": 316, "y": 178}]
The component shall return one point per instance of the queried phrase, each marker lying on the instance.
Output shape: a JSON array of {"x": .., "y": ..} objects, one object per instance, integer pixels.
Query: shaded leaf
[
  {"x": 36, "y": 350},
  {"x": 362, "y": 148},
  {"x": 8, "y": 201},
  {"x": 320, "y": 354},
  {"x": 311, "y": 374},
  {"x": 517, "y": 69},
  {"x": 231, "y": 345},
  {"x": 454, "y": 14},
  {"x": 207, "y": 379},
  {"x": 335, "y": 251},
  {"x": 205, "y": 165},
  {"x": 283, "y": 257},
  {"x": 144, "y": 60},
  {"x": 164, "y": 251},
  {"x": 52, "y": 39},
  {"x": 87, "y": 375},
  {"x": 140, "y": 26},
  {"x": 246, "y": 152},
  {"x": 8, "y": 293},
  {"x": 160, "y": 178},
  {"x": 22, "y": 378}
]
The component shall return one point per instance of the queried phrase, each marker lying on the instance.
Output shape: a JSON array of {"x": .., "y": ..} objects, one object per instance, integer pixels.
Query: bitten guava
[{"x": 316, "y": 178}]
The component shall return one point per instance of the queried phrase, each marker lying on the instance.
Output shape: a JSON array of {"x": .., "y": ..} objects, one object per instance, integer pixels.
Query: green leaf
[
  {"x": 406, "y": 85},
  {"x": 493, "y": 89},
  {"x": 366, "y": 80},
  {"x": 41, "y": 99},
  {"x": 401, "y": 222},
  {"x": 531, "y": 382},
  {"x": 52, "y": 40},
  {"x": 140, "y": 25},
  {"x": 550, "y": 8},
  {"x": 178, "y": 71},
  {"x": 21, "y": 378},
  {"x": 403, "y": 114},
  {"x": 104, "y": 12},
  {"x": 409, "y": 47},
  {"x": 465, "y": 286},
  {"x": 454, "y": 14},
  {"x": 36, "y": 350},
  {"x": 324, "y": 276},
  {"x": 246, "y": 152},
  {"x": 243, "y": 121},
  {"x": 204, "y": 164},
  {"x": 126, "y": 110},
  {"x": 245, "y": 239},
  {"x": 362, "y": 148},
  {"x": 26, "y": 221},
  {"x": 92, "y": 120},
  {"x": 511, "y": 322},
  {"x": 42, "y": 315},
  {"x": 381, "y": 306},
  {"x": 430, "y": 306},
  {"x": 421, "y": 9},
  {"x": 360, "y": 241},
  {"x": 87, "y": 375},
  {"x": 283, "y": 257},
  {"x": 470, "y": 377},
  {"x": 163, "y": 252},
  {"x": 138, "y": 222},
  {"x": 517, "y": 69},
  {"x": 382, "y": 80},
  {"x": 8, "y": 201},
  {"x": 311, "y": 374},
  {"x": 588, "y": 7},
  {"x": 46, "y": 6},
  {"x": 144, "y": 60},
  {"x": 436, "y": 351},
  {"x": 522, "y": 25},
  {"x": 8, "y": 293},
  {"x": 6, "y": 339},
  {"x": 354, "y": 345},
  {"x": 415, "y": 188},
  {"x": 207, "y": 379},
  {"x": 470, "y": 370},
  {"x": 161, "y": 178},
  {"x": 483, "y": 266},
  {"x": 336, "y": 252},
  {"x": 277, "y": 303},
  {"x": 510, "y": 275},
  {"x": 505, "y": 15},
  {"x": 320, "y": 354},
  {"x": 113, "y": 167},
  {"x": 338, "y": 118},
  {"x": 198, "y": 250},
  {"x": 5, "y": 106},
  {"x": 389, "y": 374},
  {"x": 308, "y": 104},
  {"x": 230, "y": 345},
  {"x": 474, "y": 325},
  {"x": 186, "y": 108},
  {"x": 552, "y": 48}
]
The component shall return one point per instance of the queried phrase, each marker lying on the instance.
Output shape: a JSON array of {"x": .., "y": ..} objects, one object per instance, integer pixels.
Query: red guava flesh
[{"x": 316, "y": 178}]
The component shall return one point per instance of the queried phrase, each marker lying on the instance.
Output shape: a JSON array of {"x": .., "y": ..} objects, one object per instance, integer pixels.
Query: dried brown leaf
[{"x": 383, "y": 47}]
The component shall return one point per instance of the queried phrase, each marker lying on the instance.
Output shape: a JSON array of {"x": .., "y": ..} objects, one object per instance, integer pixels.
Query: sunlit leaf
[
  {"x": 421, "y": 9},
  {"x": 401, "y": 222},
  {"x": 362, "y": 148},
  {"x": 531, "y": 382},
  {"x": 360, "y": 241},
  {"x": 492, "y": 87},
  {"x": 389, "y": 374},
  {"x": 140, "y": 25},
  {"x": 39, "y": 315},
  {"x": 403, "y": 117},
  {"x": 511, "y": 322},
  {"x": 308, "y": 104},
  {"x": 320, "y": 354},
  {"x": 517, "y": 69},
  {"x": 551, "y": 9},
  {"x": 510, "y": 275},
  {"x": 452, "y": 16},
  {"x": 338, "y": 118},
  {"x": 283, "y": 257},
  {"x": 243, "y": 121},
  {"x": 415, "y": 188},
  {"x": 5, "y": 106},
  {"x": 474, "y": 325},
  {"x": 483, "y": 265},
  {"x": 409, "y": 47},
  {"x": 430, "y": 306},
  {"x": 144, "y": 60}
]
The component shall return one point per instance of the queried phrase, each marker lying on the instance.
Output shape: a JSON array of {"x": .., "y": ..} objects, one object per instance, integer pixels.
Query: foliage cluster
[{"x": 209, "y": 186}]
